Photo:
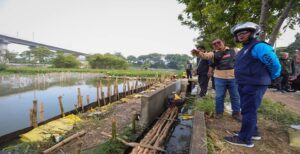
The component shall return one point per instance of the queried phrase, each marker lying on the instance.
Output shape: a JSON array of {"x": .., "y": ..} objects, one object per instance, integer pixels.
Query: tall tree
[
  {"x": 280, "y": 21},
  {"x": 107, "y": 61},
  {"x": 65, "y": 61},
  {"x": 215, "y": 18}
]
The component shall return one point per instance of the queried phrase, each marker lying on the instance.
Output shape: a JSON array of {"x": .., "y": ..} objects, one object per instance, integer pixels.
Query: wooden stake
[
  {"x": 124, "y": 87},
  {"x": 132, "y": 144},
  {"x": 98, "y": 99},
  {"x": 103, "y": 98},
  {"x": 108, "y": 90},
  {"x": 31, "y": 117},
  {"x": 102, "y": 93},
  {"x": 78, "y": 97},
  {"x": 128, "y": 85},
  {"x": 87, "y": 99},
  {"x": 64, "y": 142},
  {"x": 78, "y": 146},
  {"x": 41, "y": 112},
  {"x": 34, "y": 114},
  {"x": 61, "y": 106},
  {"x": 113, "y": 128}
]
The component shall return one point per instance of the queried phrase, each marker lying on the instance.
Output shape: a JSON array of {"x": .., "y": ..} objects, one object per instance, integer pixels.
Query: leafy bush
[
  {"x": 65, "y": 61},
  {"x": 3, "y": 67},
  {"x": 107, "y": 61}
]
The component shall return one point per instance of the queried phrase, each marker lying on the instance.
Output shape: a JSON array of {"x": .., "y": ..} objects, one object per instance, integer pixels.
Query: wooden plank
[{"x": 198, "y": 143}]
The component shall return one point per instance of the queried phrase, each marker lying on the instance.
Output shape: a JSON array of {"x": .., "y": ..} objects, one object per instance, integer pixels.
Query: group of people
[
  {"x": 245, "y": 74},
  {"x": 289, "y": 72}
]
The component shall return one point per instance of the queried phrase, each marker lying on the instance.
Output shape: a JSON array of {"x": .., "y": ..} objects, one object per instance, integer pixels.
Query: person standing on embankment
[
  {"x": 223, "y": 60},
  {"x": 256, "y": 65}
]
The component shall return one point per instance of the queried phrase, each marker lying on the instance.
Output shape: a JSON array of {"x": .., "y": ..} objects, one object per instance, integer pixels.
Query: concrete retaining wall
[{"x": 154, "y": 104}]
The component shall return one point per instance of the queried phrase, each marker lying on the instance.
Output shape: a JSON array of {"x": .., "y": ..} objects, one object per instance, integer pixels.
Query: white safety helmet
[{"x": 250, "y": 26}]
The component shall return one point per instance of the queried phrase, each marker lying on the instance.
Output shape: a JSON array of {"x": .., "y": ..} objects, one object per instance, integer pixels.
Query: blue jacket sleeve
[{"x": 265, "y": 53}]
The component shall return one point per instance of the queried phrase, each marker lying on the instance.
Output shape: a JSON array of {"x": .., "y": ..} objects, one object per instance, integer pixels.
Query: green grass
[
  {"x": 276, "y": 112},
  {"x": 114, "y": 146},
  {"x": 31, "y": 148},
  {"x": 129, "y": 72},
  {"x": 109, "y": 147},
  {"x": 206, "y": 104}
]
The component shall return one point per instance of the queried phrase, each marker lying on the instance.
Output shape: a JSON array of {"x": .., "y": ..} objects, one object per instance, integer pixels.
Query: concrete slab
[
  {"x": 198, "y": 141},
  {"x": 154, "y": 104}
]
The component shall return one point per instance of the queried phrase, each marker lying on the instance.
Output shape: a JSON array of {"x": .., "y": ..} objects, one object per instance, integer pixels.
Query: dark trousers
[
  {"x": 203, "y": 83},
  {"x": 251, "y": 98},
  {"x": 188, "y": 73},
  {"x": 284, "y": 82}
]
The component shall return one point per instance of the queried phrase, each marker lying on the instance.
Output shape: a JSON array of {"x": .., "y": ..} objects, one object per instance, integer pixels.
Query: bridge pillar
[{"x": 3, "y": 51}]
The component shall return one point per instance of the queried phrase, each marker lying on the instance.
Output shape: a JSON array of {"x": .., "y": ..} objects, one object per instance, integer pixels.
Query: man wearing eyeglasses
[{"x": 223, "y": 59}]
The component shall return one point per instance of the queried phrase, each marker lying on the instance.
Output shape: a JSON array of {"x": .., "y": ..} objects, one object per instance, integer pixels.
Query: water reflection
[{"x": 18, "y": 92}]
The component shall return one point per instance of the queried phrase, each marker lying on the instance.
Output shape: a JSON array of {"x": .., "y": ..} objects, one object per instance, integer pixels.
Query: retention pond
[{"x": 18, "y": 92}]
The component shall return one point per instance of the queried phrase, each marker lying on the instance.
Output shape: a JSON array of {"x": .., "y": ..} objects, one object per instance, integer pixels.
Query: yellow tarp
[
  {"x": 53, "y": 128},
  {"x": 177, "y": 97}
]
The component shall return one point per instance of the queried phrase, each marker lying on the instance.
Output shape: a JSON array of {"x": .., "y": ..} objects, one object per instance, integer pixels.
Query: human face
[
  {"x": 243, "y": 36},
  {"x": 218, "y": 45}
]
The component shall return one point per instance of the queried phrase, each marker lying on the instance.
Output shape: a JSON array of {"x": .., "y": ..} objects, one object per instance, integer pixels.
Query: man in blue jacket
[{"x": 256, "y": 65}]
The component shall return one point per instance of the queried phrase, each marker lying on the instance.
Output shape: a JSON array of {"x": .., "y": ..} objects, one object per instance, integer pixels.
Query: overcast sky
[{"x": 132, "y": 27}]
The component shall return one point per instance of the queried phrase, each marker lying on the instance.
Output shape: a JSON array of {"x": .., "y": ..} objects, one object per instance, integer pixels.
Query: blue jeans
[
  {"x": 251, "y": 97},
  {"x": 221, "y": 86}
]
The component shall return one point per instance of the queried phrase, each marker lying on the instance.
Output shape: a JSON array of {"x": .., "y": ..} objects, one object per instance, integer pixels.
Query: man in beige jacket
[{"x": 223, "y": 62}]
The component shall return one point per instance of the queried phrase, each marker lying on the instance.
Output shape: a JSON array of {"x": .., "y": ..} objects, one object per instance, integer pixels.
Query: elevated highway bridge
[{"x": 5, "y": 40}]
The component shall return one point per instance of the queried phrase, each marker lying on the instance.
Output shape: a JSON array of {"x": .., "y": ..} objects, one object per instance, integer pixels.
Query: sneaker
[
  {"x": 237, "y": 116},
  {"x": 219, "y": 115},
  {"x": 237, "y": 141},
  {"x": 254, "y": 137}
]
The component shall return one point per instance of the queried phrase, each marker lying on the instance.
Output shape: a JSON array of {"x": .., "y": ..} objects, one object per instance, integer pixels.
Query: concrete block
[{"x": 154, "y": 104}]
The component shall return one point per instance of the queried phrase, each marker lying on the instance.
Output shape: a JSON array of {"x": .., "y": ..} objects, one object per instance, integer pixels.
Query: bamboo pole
[
  {"x": 87, "y": 99},
  {"x": 102, "y": 93},
  {"x": 114, "y": 128},
  {"x": 78, "y": 146},
  {"x": 128, "y": 85},
  {"x": 133, "y": 144},
  {"x": 158, "y": 132},
  {"x": 136, "y": 84},
  {"x": 41, "y": 112},
  {"x": 78, "y": 97},
  {"x": 34, "y": 114},
  {"x": 64, "y": 142},
  {"x": 31, "y": 117},
  {"x": 108, "y": 90},
  {"x": 116, "y": 90},
  {"x": 62, "y": 107},
  {"x": 124, "y": 87},
  {"x": 98, "y": 99},
  {"x": 103, "y": 98}
]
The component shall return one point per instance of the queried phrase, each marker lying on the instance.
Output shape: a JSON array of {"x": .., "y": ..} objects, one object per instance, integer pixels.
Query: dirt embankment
[
  {"x": 275, "y": 139},
  {"x": 291, "y": 100}
]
